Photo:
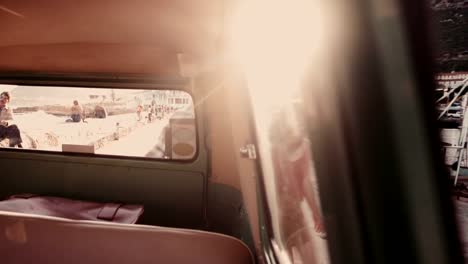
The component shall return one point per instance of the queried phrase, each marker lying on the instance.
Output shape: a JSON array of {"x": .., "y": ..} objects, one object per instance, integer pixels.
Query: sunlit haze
[{"x": 273, "y": 41}]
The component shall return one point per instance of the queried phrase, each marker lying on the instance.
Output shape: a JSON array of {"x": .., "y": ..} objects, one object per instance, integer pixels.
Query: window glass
[
  {"x": 300, "y": 218},
  {"x": 122, "y": 122},
  {"x": 292, "y": 192},
  {"x": 450, "y": 19}
]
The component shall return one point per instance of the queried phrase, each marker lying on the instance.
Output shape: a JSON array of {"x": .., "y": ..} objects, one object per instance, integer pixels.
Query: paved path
[{"x": 138, "y": 143}]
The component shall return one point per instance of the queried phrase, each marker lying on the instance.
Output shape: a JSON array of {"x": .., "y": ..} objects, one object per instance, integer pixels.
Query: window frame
[{"x": 107, "y": 81}]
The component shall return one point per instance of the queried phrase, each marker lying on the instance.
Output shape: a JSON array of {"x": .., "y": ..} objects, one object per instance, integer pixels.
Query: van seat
[{"x": 26, "y": 238}]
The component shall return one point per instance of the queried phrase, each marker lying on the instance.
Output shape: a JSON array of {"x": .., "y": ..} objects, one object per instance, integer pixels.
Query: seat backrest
[{"x": 35, "y": 239}]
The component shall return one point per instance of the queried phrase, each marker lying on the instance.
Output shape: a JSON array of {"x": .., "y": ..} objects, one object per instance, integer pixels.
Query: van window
[
  {"x": 297, "y": 209},
  {"x": 157, "y": 124},
  {"x": 451, "y": 101},
  {"x": 290, "y": 179}
]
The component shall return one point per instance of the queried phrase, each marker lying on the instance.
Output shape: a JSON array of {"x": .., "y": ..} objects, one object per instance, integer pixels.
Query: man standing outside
[
  {"x": 139, "y": 109},
  {"x": 11, "y": 132}
]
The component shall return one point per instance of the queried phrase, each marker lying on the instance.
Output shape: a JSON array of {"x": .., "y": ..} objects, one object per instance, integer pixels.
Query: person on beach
[
  {"x": 76, "y": 112},
  {"x": 7, "y": 130}
]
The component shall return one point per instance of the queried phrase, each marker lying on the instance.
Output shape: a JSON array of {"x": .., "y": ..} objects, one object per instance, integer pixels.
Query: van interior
[{"x": 181, "y": 131}]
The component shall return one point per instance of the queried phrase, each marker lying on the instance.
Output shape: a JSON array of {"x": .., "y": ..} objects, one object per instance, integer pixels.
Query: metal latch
[{"x": 248, "y": 151}]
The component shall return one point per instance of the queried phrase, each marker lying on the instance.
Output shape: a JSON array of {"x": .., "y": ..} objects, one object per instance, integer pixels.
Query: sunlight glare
[{"x": 274, "y": 41}]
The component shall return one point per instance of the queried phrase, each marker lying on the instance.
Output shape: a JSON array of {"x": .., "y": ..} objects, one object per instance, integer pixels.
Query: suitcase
[{"x": 72, "y": 209}]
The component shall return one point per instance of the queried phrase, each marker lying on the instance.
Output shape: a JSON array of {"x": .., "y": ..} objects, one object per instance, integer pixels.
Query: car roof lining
[{"x": 107, "y": 36}]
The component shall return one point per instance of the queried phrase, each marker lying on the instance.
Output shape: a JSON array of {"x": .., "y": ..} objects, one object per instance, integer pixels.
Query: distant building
[
  {"x": 178, "y": 99},
  {"x": 451, "y": 80}
]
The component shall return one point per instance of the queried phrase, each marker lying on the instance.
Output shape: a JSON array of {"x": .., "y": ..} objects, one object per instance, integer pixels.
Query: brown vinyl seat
[{"x": 26, "y": 238}]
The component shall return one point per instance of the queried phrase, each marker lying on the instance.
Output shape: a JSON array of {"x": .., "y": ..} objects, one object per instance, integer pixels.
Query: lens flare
[{"x": 273, "y": 41}]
